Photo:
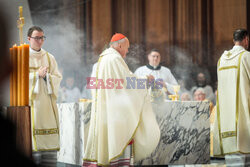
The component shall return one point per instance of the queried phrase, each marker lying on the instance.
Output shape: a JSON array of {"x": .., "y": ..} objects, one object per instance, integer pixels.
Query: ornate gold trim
[
  {"x": 218, "y": 115},
  {"x": 228, "y": 134},
  {"x": 51, "y": 149},
  {"x": 218, "y": 120},
  {"x": 227, "y": 67},
  {"x": 33, "y": 84},
  {"x": 47, "y": 54},
  {"x": 49, "y": 62},
  {"x": 232, "y": 153},
  {"x": 46, "y": 131},
  {"x": 33, "y": 68},
  {"x": 32, "y": 110},
  {"x": 52, "y": 87},
  {"x": 91, "y": 160},
  {"x": 237, "y": 94}
]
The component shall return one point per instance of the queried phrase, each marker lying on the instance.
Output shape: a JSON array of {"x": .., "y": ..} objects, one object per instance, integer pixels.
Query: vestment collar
[{"x": 153, "y": 68}]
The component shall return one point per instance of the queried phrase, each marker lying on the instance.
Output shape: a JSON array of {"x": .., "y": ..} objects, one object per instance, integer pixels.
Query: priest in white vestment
[
  {"x": 159, "y": 72},
  {"x": 232, "y": 120},
  {"x": 43, "y": 89},
  {"x": 122, "y": 115}
]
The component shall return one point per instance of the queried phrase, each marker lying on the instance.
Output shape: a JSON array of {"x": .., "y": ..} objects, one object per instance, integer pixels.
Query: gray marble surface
[
  {"x": 184, "y": 133},
  {"x": 74, "y": 122}
]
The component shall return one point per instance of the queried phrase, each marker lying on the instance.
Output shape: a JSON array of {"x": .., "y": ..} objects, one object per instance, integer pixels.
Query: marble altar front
[
  {"x": 184, "y": 133},
  {"x": 74, "y": 123}
]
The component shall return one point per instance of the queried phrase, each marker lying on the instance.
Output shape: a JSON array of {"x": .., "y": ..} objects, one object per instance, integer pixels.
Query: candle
[
  {"x": 14, "y": 72},
  {"x": 11, "y": 78},
  {"x": 25, "y": 75},
  {"x": 19, "y": 72}
]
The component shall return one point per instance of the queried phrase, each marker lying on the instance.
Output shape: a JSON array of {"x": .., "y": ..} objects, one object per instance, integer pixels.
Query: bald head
[{"x": 121, "y": 46}]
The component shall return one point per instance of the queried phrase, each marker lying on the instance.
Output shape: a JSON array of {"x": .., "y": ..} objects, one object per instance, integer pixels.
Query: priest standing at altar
[
  {"x": 158, "y": 72},
  {"x": 121, "y": 115},
  {"x": 44, "y": 83},
  {"x": 232, "y": 120}
]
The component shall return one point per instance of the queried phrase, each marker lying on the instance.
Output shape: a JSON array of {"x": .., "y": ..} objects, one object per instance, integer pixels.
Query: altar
[{"x": 185, "y": 133}]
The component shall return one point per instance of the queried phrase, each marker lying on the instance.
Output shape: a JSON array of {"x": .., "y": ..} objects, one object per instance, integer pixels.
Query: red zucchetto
[{"x": 117, "y": 37}]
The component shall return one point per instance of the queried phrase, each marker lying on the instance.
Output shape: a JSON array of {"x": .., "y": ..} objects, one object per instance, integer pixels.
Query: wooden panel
[
  {"x": 228, "y": 15},
  {"x": 188, "y": 28},
  {"x": 20, "y": 116},
  {"x": 101, "y": 25},
  {"x": 128, "y": 18},
  {"x": 135, "y": 32},
  {"x": 159, "y": 27},
  {"x": 202, "y": 29},
  {"x": 175, "y": 24},
  {"x": 119, "y": 16}
]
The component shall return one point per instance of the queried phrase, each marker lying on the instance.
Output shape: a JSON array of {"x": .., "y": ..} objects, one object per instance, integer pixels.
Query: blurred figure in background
[
  {"x": 185, "y": 97},
  {"x": 185, "y": 94},
  {"x": 200, "y": 95},
  {"x": 201, "y": 82},
  {"x": 71, "y": 92}
]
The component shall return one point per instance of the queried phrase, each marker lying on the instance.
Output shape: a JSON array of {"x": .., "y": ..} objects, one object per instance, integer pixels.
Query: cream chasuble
[
  {"x": 43, "y": 95},
  {"x": 232, "y": 120},
  {"x": 119, "y": 114}
]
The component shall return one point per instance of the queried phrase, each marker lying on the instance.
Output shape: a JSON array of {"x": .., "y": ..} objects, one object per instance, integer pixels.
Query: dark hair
[
  {"x": 240, "y": 34},
  {"x": 31, "y": 29},
  {"x": 153, "y": 50}
]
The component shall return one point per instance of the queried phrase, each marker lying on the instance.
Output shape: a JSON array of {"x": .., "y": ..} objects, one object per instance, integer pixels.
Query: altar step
[
  {"x": 45, "y": 158},
  {"x": 60, "y": 164}
]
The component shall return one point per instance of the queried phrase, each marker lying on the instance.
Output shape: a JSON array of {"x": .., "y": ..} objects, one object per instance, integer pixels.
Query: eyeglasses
[{"x": 39, "y": 38}]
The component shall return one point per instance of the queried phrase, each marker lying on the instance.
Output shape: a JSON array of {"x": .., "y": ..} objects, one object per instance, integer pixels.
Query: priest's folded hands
[{"x": 42, "y": 71}]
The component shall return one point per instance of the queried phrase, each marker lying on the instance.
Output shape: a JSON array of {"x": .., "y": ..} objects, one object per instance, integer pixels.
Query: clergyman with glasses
[{"x": 44, "y": 82}]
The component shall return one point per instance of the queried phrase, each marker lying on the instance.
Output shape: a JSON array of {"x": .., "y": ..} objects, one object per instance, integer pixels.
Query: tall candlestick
[{"x": 19, "y": 82}]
